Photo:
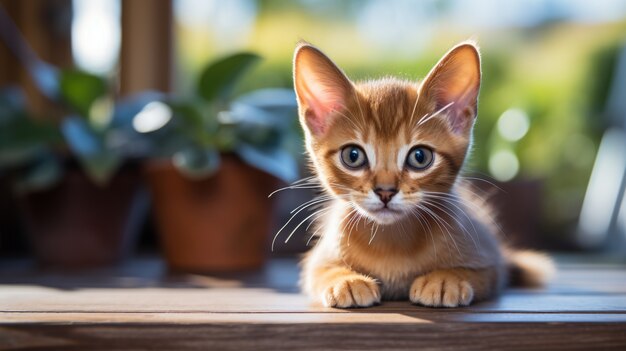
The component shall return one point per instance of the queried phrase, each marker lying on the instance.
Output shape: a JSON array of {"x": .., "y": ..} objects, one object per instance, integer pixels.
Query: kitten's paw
[
  {"x": 352, "y": 292},
  {"x": 441, "y": 289}
]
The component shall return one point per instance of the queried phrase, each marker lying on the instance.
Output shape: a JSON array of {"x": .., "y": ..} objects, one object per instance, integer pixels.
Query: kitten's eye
[
  {"x": 420, "y": 158},
  {"x": 353, "y": 157}
]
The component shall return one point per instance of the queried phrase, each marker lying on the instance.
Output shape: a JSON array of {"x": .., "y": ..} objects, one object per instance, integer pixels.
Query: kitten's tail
[{"x": 529, "y": 268}]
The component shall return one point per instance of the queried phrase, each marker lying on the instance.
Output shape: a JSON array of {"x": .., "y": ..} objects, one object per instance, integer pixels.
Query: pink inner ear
[
  {"x": 455, "y": 80},
  {"x": 459, "y": 87},
  {"x": 321, "y": 101},
  {"x": 321, "y": 86},
  {"x": 463, "y": 109},
  {"x": 461, "y": 118}
]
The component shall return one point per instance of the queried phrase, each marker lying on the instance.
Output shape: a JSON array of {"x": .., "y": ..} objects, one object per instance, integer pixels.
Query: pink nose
[{"x": 385, "y": 195}]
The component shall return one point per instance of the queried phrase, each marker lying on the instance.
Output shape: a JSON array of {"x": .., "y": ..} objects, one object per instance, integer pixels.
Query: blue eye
[
  {"x": 420, "y": 158},
  {"x": 353, "y": 157}
]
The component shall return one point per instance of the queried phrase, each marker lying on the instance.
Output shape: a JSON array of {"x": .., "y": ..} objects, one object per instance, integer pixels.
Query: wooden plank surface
[
  {"x": 139, "y": 306},
  {"x": 290, "y": 336},
  {"x": 258, "y": 300}
]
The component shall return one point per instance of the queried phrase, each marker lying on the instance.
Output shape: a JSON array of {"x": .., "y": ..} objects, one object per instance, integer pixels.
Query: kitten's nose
[{"x": 385, "y": 194}]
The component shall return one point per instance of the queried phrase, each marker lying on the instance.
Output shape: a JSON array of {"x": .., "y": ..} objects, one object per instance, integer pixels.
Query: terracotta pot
[
  {"x": 221, "y": 223},
  {"x": 78, "y": 224}
]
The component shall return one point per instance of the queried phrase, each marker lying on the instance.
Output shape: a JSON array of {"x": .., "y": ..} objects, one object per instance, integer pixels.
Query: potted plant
[
  {"x": 77, "y": 183},
  {"x": 215, "y": 160},
  {"x": 25, "y": 160}
]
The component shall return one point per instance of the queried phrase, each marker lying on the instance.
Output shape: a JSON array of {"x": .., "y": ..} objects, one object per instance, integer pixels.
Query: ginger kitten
[{"x": 401, "y": 223}]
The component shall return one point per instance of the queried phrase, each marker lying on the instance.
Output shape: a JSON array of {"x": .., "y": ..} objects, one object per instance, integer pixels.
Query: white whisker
[
  {"x": 302, "y": 222},
  {"x": 451, "y": 214},
  {"x": 374, "y": 235},
  {"x": 439, "y": 220},
  {"x": 427, "y": 118},
  {"x": 485, "y": 181},
  {"x": 291, "y": 187},
  {"x": 452, "y": 203},
  {"x": 285, "y": 225},
  {"x": 313, "y": 201},
  {"x": 416, "y": 213}
]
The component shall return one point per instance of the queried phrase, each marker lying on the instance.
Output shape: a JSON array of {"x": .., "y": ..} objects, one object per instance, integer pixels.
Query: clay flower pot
[
  {"x": 221, "y": 223},
  {"x": 78, "y": 224}
]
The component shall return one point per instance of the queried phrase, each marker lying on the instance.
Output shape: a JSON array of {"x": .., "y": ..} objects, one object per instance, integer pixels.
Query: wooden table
[{"x": 138, "y": 306}]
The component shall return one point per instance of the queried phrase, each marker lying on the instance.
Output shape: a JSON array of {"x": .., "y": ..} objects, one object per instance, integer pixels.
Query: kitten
[{"x": 401, "y": 223}]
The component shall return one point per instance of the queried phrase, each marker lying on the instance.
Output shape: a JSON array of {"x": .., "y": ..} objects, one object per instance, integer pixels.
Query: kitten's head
[{"x": 383, "y": 145}]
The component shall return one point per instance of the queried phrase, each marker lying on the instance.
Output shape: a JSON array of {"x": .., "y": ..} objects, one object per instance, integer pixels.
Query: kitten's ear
[
  {"x": 454, "y": 82},
  {"x": 321, "y": 88}
]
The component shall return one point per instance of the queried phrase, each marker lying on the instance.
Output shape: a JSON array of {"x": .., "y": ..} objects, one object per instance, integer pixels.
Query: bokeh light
[{"x": 96, "y": 34}]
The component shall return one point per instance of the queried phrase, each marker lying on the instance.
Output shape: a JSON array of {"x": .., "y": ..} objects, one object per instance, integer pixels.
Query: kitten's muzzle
[{"x": 385, "y": 194}]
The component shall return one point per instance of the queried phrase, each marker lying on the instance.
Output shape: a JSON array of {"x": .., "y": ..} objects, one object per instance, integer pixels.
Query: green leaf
[
  {"x": 218, "y": 79},
  {"x": 197, "y": 163},
  {"x": 226, "y": 138},
  {"x": 260, "y": 136},
  {"x": 274, "y": 161},
  {"x": 188, "y": 114},
  {"x": 43, "y": 174},
  {"x": 21, "y": 139},
  {"x": 194, "y": 120},
  {"x": 100, "y": 168},
  {"x": 23, "y": 132},
  {"x": 16, "y": 157},
  {"x": 81, "y": 89},
  {"x": 89, "y": 148}
]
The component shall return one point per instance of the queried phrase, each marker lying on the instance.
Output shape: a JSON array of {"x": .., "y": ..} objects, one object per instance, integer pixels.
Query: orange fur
[{"x": 431, "y": 244}]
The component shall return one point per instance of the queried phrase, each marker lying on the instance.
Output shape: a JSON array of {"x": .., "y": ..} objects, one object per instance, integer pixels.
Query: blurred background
[{"x": 158, "y": 127}]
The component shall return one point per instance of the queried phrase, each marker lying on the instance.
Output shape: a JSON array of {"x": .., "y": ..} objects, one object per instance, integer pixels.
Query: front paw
[
  {"x": 349, "y": 292},
  {"x": 441, "y": 289}
]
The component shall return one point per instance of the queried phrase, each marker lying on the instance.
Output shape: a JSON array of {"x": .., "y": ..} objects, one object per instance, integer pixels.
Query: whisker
[
  {"x": 374, "y": 235},
  {"x": 349, "y": 227},
  {"x": 485, "y": 181},
  {"x": 305, "y": 179},
  {"x": 314, "y": 200},
  {"x": 451, "y": 215},
  {"x": 313, "y": 235},
  {"x": 438, "y": 220},
  {"x": 452, "y": 203},
  {"x": 306, "y": 229},
  {"x": 427, "y": 118},
  {"x": 478, "y": 210},
  {"x": 418, "y": 215},
  {"x": 358, "y": 221},
  {"x": 287, "y": 223},
  {"x": 302, "y": 222},
  {"x": 291, "y": 187}
]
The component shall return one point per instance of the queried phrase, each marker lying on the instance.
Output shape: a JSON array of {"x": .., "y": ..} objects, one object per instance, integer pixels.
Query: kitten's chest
[{"x": 395, "y": 270}]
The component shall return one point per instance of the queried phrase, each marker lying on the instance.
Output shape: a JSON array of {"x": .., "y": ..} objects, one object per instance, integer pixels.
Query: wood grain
[
  {"x": 405, "y": 317},
  {"x": 141, "y": 306},
  {"x": 257, "y": 300},
  {"x": 297, "y": 336}
]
